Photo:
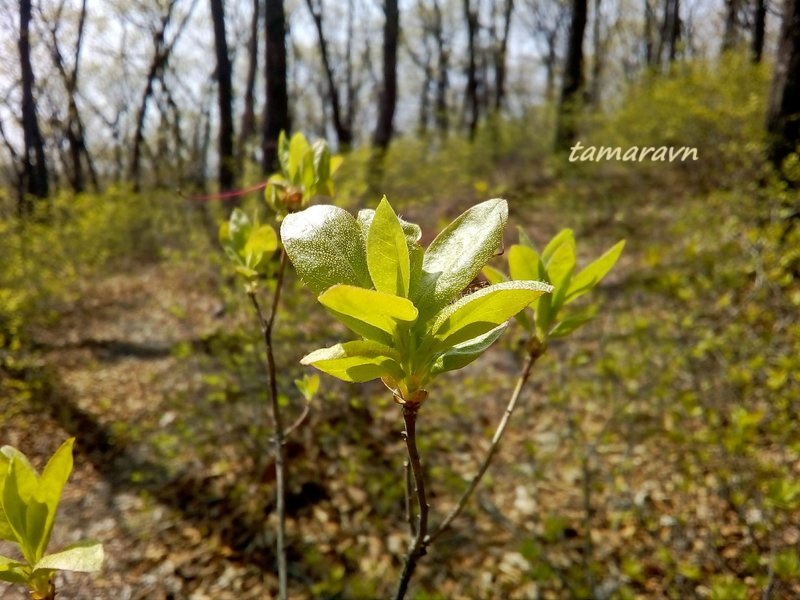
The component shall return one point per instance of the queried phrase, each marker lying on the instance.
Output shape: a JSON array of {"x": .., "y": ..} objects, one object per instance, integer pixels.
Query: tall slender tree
[
  {"x": 344, "y": 133},
  {"x": 35, "y": 178},
  {"x": 759, "y": 30},
  {"x": 572, "y": 83},
  {"x": 471, "y": 96},
  {"x": 388, "y": 99},
  {"x": 227, "y": 160},
  {"x": 276, "y": 109},
  {"x": 248, "y": 125}
]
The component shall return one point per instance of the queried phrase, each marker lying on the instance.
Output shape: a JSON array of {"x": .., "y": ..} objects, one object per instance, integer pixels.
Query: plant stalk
[
  {"x": 418, "y": 546},
  {"x": 280, "y": 470},
  {"x": 535, "y": 351}
]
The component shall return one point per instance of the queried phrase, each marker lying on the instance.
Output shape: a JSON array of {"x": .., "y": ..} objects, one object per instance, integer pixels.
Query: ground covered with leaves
[{"x": 654, "y": 454}]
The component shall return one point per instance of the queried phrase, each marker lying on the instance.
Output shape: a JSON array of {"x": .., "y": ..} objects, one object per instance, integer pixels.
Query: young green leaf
[
  {"x": 307, "y": 386},
  {"x": 299, "y": 153},
  {"x": 478, "y": 313},
  {"x": 458, "y": 254},
  {"x": 493, "y": 275},
  {"x": 325, "y": 246},
  {"x": 524, "y": 263},
  {"x": 16, "y": 497},
  {"x": 369, "y": 308},
  {"x": 6, "y": 533},
  {"x": 261, "y": 241},
  {"x": 570, "y": 324},
  {"x": 563, "y": 236},
  {"x": 357, "y": 361},
  {"x": 387, "y": 252},
  {"x": 85, "y": 556},
  {"x": 559, "y": 270},
  {"x": 592, "y": 274},
  {"x": 48, "y": 492},
  {"x": 464, "y": 353},
  {"x": 13, "y": 571}
]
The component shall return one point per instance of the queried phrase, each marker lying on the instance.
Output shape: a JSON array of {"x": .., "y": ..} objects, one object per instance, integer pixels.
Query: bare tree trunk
[
  {"x": 471, "y": 96},
  {"x": 276, "y": 110},
  {"x": 783, "y": 115},
  {"x": 343, "y": 133},
  {"x": 731, "y": 36},
  {"x": 78, "y": 152},
  {"x": 35, "y": 175},
  {"x": 161, "y": 54},
  {"x": 650, "y": 55},
  {"x": 442, "y": 81},
  {"x": 572, "y": 84},
  {"x": 597, "y": 58},
  {"x": 388, "y": 101},
  {"x": 759, "y": 28},
  {"x": 248, "y": 125},
  {"x": 227, "y": 160},
  {"x": 500, "y": 58}
]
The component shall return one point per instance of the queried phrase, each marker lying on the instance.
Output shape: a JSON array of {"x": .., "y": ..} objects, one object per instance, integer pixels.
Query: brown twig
[
  {"x": 418, "y": 546},
  {"x": 536, "y": 349},
  {"x": 280, "y": 475},
  {"x": 412, "y": 527}
]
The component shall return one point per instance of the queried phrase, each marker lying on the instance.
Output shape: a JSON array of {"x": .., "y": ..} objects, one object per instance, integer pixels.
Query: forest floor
[{"x": 157, "y": 373}]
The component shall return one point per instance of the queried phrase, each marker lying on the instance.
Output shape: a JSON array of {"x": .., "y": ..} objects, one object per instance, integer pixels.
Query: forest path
[{"x": 108, "y": 363}]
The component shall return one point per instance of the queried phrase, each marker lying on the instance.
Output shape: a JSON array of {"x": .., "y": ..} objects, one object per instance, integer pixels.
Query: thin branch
[
  {"x": 280, "y": 483},
  {"x": 298, "y": 421},
  {"x": 418, "y": 546},
  {"x": 412, "y": 527},
  {"x": 536, "y": 351}
]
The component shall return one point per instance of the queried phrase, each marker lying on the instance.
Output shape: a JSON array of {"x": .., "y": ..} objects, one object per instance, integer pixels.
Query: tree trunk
[
  {"x": 227, "y": 160},
  {"x": 248, "y": 126},
  {"x": 759, "y": 28},
  {"x": 388, "y": 101},
  {"x": 343, "y": 132},
  {"x": 572, "y": 84},
  {"x": 471, "y": 97},
  {"x": 276, "y": 110},
  {"x": 500, "y": 58},
  {"x": 34, "y": 163},
  {"x": 731, "y": 36},
  {"x": 783, "y": 115},
  {"x": 442, "y": 81}
]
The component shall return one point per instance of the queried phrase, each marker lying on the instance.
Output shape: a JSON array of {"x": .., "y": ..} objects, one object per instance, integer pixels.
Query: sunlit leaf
[
  {"x": 570, "y": 324},
  {"x": 16, "y": 507},
  {"x": 478, "y": 313},
  {"x": 325, "y": 246},
  {"x": 48, "y": 492},
  {"x": 262, "y": 241},
  {"x": 364, "y": 310},
  {"x": 357, "y": 361},
  {"x": 593, "y": 273},
  {"x": 85, "y": 556},
  {"x": 458, "y": 254},
  {"x": 493, "y": 275},
  {"x": 563, "y": 236},
  {"x": 13, "y": 571},
  {"x": 387, "y": 252},
  {"x": 523, "y": 263},
  {"x": 6, "y": 533},
  {"x": 308, "y": 386},
  {"x": 464, "y": 353},
  {"x": 299, "y": 149}
]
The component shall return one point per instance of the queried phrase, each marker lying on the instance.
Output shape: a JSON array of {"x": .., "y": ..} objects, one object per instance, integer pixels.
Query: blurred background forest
[{"x": 656, "y": 453}]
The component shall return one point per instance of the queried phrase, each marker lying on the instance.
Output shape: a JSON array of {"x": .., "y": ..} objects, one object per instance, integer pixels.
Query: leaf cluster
[
  {"x": 306, "y": 172},
  {"x": 28, "y": 505},
  {"x": 556, "y": 264},
  {"x": 406, "y": 302}
]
